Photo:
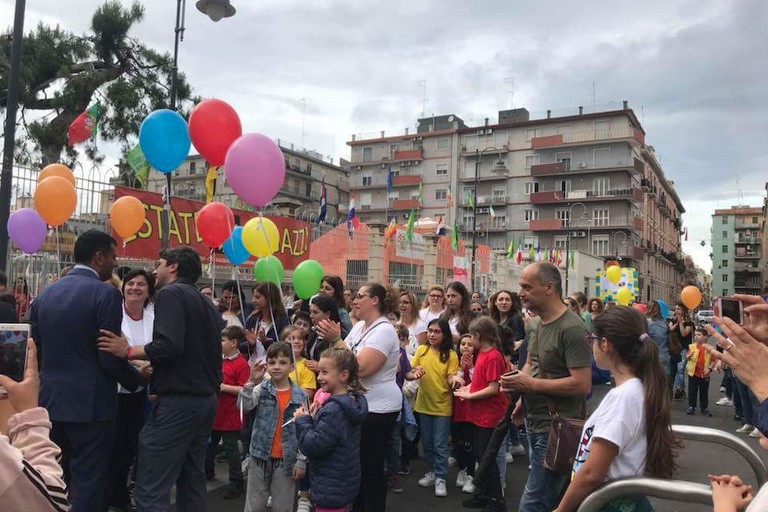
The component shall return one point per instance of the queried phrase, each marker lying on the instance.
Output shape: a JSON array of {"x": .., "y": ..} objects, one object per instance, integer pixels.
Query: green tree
[{"x": 63, "y": 73}]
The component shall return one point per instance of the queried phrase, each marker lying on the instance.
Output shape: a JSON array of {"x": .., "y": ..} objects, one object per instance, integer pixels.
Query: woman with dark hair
[
  {"x": 658, "y": 330},
  {"x": 321, "y": 307},
  {"x": 620, "y": 439},
  {"x": 333, "y": 287},
  {"x": 233, "y": 306},
  {"x": 375, "y": 343},
  {"x": 264, "y": 325},
  {"x": 506, "y": 310},
  {"x": 137, "y": 327},
  {"x": 595, "y": 306},
  {"x": 21, "y": 293},
  {"x": 457, "y": 312},
  {"x": 681, "y": 327}
]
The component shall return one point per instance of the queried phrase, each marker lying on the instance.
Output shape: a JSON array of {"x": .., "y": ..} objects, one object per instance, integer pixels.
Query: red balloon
[
  {"x": 213, "y": 127},
  {"x": 215, "y": 222}
]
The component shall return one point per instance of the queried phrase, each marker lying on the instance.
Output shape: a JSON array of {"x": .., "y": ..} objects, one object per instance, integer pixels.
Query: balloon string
[
  {"x": 212, "y": 256},
  {"x": 58, "y": 254}
]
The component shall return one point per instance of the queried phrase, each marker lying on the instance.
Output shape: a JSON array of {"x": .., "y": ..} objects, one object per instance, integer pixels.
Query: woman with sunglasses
[
  {"x": 434, "y": 304},
  {"x": 375, "y": 343}
]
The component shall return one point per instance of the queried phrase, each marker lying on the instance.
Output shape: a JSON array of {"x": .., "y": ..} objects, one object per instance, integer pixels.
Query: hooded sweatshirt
[{"x": 331, "y": 442}]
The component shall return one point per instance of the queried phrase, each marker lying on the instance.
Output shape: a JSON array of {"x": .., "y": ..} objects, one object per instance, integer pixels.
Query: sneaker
[
  {"x": 304, "y": 505},
  {"x": 691, "y": 411},
  {"x": 705, "y": 412},
  {"x": 427, "y": 480},
  {"x": 404, "y": 470},
  {"x": 722, "y": 389},
  {"x": 508, "y": 458},
  {"x": 746, "y": 429},
  {"x": 393, "y": 484},
  {"x": 461, "y": 479},
  {"x": 475, "y": 501},
  {"x": 725, "y": 401},
  {"x": 755, "y": 433},
  {"x": 440, "y": 489},
  {"x": 244, "y": 467},
  {"x": 517, "y": 449},
  {"x": 269, "y": 502},
  {"x": 451, "y": 462},
  {"x": 469, "y": 486}
]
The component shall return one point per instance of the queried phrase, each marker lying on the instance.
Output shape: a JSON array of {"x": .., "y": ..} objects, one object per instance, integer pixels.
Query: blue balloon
[
  {"x": 664, "y": 308},
  {"x": 164, "y": 140},
  {"x": 234, "y": 249}
]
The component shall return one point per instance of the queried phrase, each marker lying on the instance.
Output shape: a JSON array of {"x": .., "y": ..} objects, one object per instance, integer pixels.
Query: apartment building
[
  {"x": 737, "y": 255},
  {"x": 300, "y": 196},
  {"x": 586, "y": 182}
]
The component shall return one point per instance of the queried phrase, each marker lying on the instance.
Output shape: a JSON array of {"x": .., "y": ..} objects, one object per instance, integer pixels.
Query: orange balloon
[
  {"x": 57, "y": 170},
  {"x": 127, "y": 216},
  {"x": 55, "y": 200},
  {"x": 691, "y": 297}
]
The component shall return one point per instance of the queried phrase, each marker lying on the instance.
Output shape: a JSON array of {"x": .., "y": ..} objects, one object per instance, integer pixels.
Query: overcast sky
[{"x": 694, "y": 71}]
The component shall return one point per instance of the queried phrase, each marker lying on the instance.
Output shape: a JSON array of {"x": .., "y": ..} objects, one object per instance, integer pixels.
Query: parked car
[{"x": 705, "y": 316}]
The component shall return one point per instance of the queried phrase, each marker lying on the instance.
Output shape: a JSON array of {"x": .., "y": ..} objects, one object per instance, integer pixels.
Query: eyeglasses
[
  {"x": 435, "y": 296},
  {"x": 361, "y": 296},
  {"x": 591, "y": 338}
]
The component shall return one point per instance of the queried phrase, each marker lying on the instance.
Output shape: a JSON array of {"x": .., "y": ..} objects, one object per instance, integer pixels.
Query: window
[
  {"x": 565, "y": 159},
  {"x": 560, "y": 242},
  {"x": 192, "y": 168},
  {"x": 725, "y": 249},
  {"x": 531, "y": 160},
  {"x": 563, "y": 129},
  {"x": 725, "y": 292},
  {"x": 600, "y": 245},
  {"x": 564, "y": 186},
  {"x": 725, "y": 234},
  {"x": 724, "y": 264},
  {"x": 530, "y": 241},
  {"x": 531, "y": 187},
  {"x": 531, "y": 215},
  {"x": 725, "y": 278},
  {"x": 442, "y": 143},
  {"x": 309, "y": 168},
  {"x": 563, "y": 215},
  {"x": 367, "y": 154},
  {"x": 309, "y": 189},
  {"x": 441, "y": 194},
  {"x": 754, "y": 220},
  {"x": 392, "y": 149},
  {"x": 600, "y": 217},
  {"x": 725, "y": 220},
  {"x": 600, "y": 186},
  {"x": 531, "y": 133},
  {"x": 441, "y": 169},
  {"x": 365, "y": 199},
  {"x": 467, "y": 220},
  {"x": 367, "y": 181},
  {"x": 395, "y": 194},
  {"x": 500, "y": 193}
]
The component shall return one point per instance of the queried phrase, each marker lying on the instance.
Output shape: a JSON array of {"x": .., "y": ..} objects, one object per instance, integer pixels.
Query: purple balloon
[
  {"x": 255, "y": 169},
  {"x": 27, "y": 230}
]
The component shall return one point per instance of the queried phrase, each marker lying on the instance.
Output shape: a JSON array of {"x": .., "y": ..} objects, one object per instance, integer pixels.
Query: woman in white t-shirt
[
  {"x": 138, "y": 320},
  {"x": 457, "y": 312},
  {"x": 630, "y": 433},
  {"x": 374, "y": 341},
  {"x": 409, "y": 317},
  {"x": 434, "y": 304}
]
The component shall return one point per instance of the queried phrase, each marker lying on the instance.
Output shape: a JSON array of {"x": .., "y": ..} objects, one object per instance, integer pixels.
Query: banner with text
[{"x": 295, "y": 235}]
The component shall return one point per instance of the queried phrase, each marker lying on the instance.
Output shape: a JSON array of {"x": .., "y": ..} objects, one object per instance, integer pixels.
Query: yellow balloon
[
  {"x": 623, "y": 296},
  {"x": 613, "y": 274},
  {"x": 261, "y": 237}
]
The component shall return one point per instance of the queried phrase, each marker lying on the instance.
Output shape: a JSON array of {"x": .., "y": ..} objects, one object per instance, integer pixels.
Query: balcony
[
  {"x": 593, "y": 225},
  {"x": 588, "y": 137},
  {"x": 560, "y": 168},
  {"x": 748, "y": 255},
  {"x": 627, "y": 252},
  {"x": 748, "y": 240},
  {"x": 746, "y": 267},
  {"x": 408, "y": 154},
  {"x": 484, "y": 201},
  {"x": 634, "y": 195},
  {"x": 405, "y": 204},
  {"x": 406, "y": 181},
  {"x": 483, "y": 227},
  {"x": 380, "y": 181}
]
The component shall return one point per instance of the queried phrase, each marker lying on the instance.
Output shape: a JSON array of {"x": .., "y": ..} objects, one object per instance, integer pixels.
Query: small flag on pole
[
  {"x": 421, "y": 192},
  {"x": 449, "y": 196},
  {"x": 409, "y": 228},
  {"x": 323, "y": 205},
  {"x": 440, "y": 229},
  {"x": 471, "y": 200},
  {"x": 84, "y": 126},
  {"x": 352, "y": 222},
  {"x": 390, "y": 231},
  {"x": 455, "y": 236},
  {"x": 210, "y": 183},
  {"x": 491, "y": 211},
  {"x": 138, "y": 164},
  {"x": 511, "y": 248}
]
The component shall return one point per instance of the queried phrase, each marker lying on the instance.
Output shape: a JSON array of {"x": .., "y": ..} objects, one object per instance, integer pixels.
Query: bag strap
[
  {"x": 551, "y": 404},
  {"x": 365, "y": 335}
]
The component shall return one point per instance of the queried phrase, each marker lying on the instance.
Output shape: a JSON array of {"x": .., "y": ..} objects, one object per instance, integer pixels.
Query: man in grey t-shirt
[{"x": 558, "y": 368}]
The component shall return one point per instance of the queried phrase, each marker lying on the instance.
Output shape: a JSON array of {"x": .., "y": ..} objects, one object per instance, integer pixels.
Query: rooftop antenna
[
  {"x": 423, "y": 85},
  {"x": 303, "y": 120},
  {"x": 511, "y": 83},
  {"x": 593, "y": 93}
]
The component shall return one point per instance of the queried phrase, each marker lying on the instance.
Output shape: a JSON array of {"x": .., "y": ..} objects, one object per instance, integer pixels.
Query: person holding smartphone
[{"x": 682, "y": 327}]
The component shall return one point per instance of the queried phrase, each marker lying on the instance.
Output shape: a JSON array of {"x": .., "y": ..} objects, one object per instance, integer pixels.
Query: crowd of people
[{"x": 137, "y": 385}]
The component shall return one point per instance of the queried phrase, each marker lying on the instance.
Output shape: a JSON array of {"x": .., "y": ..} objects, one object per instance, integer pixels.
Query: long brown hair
[
  {"x": 344, "y": 359},
  {"x": 414, "y": 307},
  {"x": 465, "y": 315},
  {"x": 271, "y": 292},
  {"x": 487, "y": 329},
  {"x": 626, "y": 329}
]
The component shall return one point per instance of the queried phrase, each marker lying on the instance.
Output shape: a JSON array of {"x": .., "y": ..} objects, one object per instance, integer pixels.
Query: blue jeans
[
  {"x": 393, "y": 450},
  {"x": 543, "y": 487},
  {"x": 749, "y": 404},
  {"x": 434, "y": 439}
]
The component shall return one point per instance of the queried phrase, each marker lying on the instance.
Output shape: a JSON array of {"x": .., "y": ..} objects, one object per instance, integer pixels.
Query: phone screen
[
  {"x": 731, "y": 308},
  {"x": 13, "y": 352}
]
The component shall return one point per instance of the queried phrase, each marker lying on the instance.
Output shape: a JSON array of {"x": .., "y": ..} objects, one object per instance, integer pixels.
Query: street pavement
[{"x": 696, "y": 460}]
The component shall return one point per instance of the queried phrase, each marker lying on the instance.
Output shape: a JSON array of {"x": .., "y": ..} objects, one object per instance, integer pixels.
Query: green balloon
[
  {"x": 268, "y": 269},
  {"x": 307, "y": 278}
]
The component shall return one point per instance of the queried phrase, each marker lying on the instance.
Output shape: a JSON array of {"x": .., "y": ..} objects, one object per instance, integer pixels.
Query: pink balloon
[{"x": 255, "y": 169}]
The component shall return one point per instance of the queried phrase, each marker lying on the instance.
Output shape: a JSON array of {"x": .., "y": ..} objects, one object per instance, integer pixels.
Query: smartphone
[
  {"x": 509, "y": 374},
  {"x": 13, "y": 351},
  {"x": 726, "y": 307}
]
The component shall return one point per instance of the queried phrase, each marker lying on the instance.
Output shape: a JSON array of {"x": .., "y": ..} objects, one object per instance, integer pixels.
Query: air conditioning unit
[
  {"x": 383, "y": 166},
  {"x": 579, "y": 234},
  {"x": 582, "y": 165}
]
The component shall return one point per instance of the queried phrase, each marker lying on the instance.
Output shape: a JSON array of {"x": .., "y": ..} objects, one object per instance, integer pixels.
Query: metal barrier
[{"x": 677, "y": 490}]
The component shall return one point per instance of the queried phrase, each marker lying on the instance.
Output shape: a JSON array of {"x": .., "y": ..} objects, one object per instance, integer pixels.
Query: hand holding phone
[
  {"x": 727, "y": 307},
  {"x": 13, "y": 351},
  {"x": 23, "y": 394}
]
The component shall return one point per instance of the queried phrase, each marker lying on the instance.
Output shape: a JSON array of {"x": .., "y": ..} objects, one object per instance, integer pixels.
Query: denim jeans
[
  {"x": 543, "y": 487},
  {"x": 434, "y": 439},
  {"x": 393, "y": 450},
  {"x": 749, "y": 404}
]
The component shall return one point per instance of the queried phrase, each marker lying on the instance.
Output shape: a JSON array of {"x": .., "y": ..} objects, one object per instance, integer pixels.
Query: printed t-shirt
[
  {"x": 434, "y": 396},
  {"x": 235, "y": 372},
  {"x": 307, "y": 378},
  {"x": 555, "y": 348},
  {"x": 283, "y": 399},
  {"x": 620, "y": 420},
  {"x": 489, "y": 367}
]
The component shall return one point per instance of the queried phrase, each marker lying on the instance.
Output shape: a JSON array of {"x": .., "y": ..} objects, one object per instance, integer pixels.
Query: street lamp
[
  {"x": 498, "y": 168},
  {"x": 216, "y": 10},
  {"x": 568, "y": 239},
  {"x": 615, "y": 245}
]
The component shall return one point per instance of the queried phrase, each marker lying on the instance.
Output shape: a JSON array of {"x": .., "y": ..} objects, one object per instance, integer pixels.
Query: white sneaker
[
  {"x": 746, "y": 429},
  {"x": 269, "y": 502},
  {"x": 509, "y": 458},
  {"x": 755, "y": 433},
  {"x": 440, "y": 489},
  {"x": 469, "y": 487},
  {"x": 244, "y": 467},
  {"x": 304, "y": 505},
  {"x": 517, "y": 449},
  {"x": 462, "y": 478},
  {"x": 722, "y": 389},
  {"x": 725, "y": 401},
  {"x": 427, "y": 480},
  {"x": 451, "y": 462}
]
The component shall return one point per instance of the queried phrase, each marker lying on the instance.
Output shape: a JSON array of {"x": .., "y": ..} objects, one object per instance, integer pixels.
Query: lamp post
[
  {"x": 568, "y": 240},
  {"x": 6, "y": 178},
  {"x": 215, "y": 10},
  {"x": 498, "y": 168},
  {"x": 615, "y": 245}
]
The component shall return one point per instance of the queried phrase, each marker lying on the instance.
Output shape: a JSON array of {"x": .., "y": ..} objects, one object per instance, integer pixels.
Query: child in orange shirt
[{"x": 699, "y": 367}]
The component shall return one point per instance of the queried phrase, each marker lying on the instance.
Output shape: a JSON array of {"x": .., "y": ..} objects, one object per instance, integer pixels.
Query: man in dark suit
[{"x": 79, "y": 382}]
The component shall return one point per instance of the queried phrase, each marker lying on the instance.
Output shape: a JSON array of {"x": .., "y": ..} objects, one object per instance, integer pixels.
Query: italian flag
[{"x": 84, "y": 126}]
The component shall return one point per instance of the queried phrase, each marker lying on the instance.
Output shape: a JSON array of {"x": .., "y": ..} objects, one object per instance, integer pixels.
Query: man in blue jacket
[{"x": 78, "y": 383}]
